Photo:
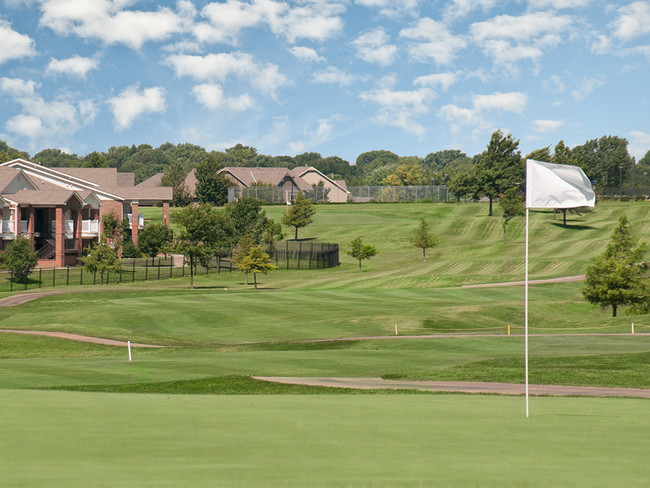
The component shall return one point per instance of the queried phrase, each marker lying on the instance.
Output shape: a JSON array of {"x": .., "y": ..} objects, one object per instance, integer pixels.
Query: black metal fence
[{"x": 286, "y": 255}]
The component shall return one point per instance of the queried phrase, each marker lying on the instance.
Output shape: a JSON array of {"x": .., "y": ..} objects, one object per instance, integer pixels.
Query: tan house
[
  {"x": 60, "y": 209},
  {"x": 289, "y": 182}
]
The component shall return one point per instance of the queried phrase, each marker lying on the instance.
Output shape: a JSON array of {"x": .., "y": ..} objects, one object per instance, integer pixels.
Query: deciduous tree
[
  {"x": 102, "y": 259},
  {"x": 512, "y": 204},
  {"x": 253, "y": 260},
  {"x": 360, "y": 251},
  {"x": 20, "y": 260}
]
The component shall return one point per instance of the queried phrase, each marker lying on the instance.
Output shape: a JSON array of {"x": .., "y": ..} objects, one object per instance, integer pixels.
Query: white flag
[{"x": 551, "y": 185}]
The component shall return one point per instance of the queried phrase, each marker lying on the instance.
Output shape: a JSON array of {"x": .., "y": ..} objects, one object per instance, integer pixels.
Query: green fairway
[
  {"x": 190, "y": 414},
  {"x": 69, "y": 439}
]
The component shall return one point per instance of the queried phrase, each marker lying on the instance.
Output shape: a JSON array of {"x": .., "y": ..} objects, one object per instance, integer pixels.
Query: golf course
[{"x": 192, "y": 413}]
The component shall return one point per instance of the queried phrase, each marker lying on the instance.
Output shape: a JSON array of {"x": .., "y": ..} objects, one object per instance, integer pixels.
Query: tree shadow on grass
[{"x": 573, "y": 226}]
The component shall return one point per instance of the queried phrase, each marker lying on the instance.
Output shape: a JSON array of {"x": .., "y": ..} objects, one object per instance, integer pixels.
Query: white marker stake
[
  {"x": 129, "y": 344},
  {"x": 632, "y": 328},
  {"x": 395, "y": 329}
]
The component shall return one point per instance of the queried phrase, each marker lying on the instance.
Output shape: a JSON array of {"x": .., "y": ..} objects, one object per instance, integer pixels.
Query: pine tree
[
  {"x": 619, "y": 276},
  {"x": 423, "y": 238},
  {"x": 300, "y": 213}
]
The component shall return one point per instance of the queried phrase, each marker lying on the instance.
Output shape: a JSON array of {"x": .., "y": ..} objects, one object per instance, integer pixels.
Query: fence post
[
  {"x": 299, "y": 252},
  {"x": 133, "y": 275},
  {"x": 81, "y": 276},
  {"x": 67, "y": 276},
  {"x": 40, "y": 277},
  {"x": 159, "y": 269},
  {"x": 310, "y": 253},
  {"x": 53, "y": 277},
  {"x": 146, "y": 270},
  {"x": 287, "y": 253},
  {"x": 120, "y": 275},
  {"x": 95, "y": 277}
]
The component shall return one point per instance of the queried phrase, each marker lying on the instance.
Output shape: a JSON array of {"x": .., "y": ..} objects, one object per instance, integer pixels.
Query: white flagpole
[{"x": 526, "y": 314}]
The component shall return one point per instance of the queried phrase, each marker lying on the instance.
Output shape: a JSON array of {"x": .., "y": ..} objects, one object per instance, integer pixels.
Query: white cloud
[
  {"x": 335, "y": 76},
  {"x": 633, "y": 21},
  {"x": 373, "y": 47},
  {"x": 587, "y": 87},
  {"x": 461, "y": 8},
  {"x": 212, "y": 97},
  {"x": 442, "y": 80},
  {"x": 509, "y": 39},
  {"x": 306, "y": 54},
  {"x": 400, "y": 108},
  {"x": 131, "y": 103},
  {"x": 221, "y": 66},
  {"x": 547, "y": 125},
  {"x": 75, "y": 66},
  {"x": 312, "y": 20},
  {"x": 391, "y": 8},
  {"x": 557, "y": 4},
  {"x": 432, "y": 42},
  {"x": 45, "y": 122},
  {"x": 639, "y": 145},
  {"x": 314, "y": 135},
  {"x": 109, "y": 22},
  {"x": 481, "y": 107},
  {"x": 14, "y": 45}
]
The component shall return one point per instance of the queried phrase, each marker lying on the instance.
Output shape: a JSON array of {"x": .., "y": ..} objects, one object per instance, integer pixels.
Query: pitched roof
[
  {"x": 7, "y": 175},
  {"x": 152, "y": 182},
  {"x": 43, "y": 197},
  {"x": 251, "y": 176}
]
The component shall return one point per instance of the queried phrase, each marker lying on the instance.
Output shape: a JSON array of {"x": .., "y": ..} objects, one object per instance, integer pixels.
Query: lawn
[
  {"x": 64, "y": 439},
  {"x": 189, "y": 414}
]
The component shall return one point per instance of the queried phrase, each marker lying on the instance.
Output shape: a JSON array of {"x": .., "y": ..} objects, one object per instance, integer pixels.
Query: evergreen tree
[
  {"x": 423, "y": 238},
  {"x": 619, "y": 276},
  {"x": 300, "y": 213}
]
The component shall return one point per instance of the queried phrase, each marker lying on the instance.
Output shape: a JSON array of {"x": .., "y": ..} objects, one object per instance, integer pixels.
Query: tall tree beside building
[
  {"x": 619, "y": 276},
  {"x": 300, "y": 213},
  {"x": 211, "y": 187},
  {"x": 500, "y": 167},
  {"x": 20, "y": 260}
]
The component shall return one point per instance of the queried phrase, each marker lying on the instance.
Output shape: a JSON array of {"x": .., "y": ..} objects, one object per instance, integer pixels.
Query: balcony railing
[
  {"x": 140, "y": 220},
  {"x": 8, "y": 227},
  {"x": 90, "y": 227}
]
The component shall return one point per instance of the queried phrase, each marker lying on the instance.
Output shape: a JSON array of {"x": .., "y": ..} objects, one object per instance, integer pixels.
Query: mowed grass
[
  {"x": 66, "y": 439},
  {"x": 189, "y": 414}
]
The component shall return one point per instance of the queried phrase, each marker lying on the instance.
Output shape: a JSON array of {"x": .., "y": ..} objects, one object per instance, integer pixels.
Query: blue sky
[{"x": 338, "y": 77}]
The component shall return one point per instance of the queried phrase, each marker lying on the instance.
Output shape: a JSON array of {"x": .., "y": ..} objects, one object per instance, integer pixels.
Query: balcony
[
  {"x": 140, "y": 220},
  {"x": 89, "y": 228}
]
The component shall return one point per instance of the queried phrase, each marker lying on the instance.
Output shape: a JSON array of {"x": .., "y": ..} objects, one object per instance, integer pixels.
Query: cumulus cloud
[
  {"x": 432, "y": 41},
  {"x": 400, "y": 108},
  {"x": 218, "y": 67},
  {"x": 212, "y": 97},
  {"x": 391, "y": 8},
  {"x": 14, "y": 45},
  {"x": 547, "y": 125},
  {"x": 314, "y": 20},
  {"x": 76, "y": 66},
  {"x": 42, "y": 121},
  {"x": 557, "y": 4},
  {"x": 109, "y": 22},
  {"x": 334, "y": 76},
  {"x": 373, "y": 47},
  {"x": 132, "y": 103},
  {"x": 510, "y": 39},
  {"x": 306, "y": 54},
  {"x": 633, "y": 21},
  {"x": 437, "y": 80},
  {"x": 461, "y": 8},
  {"x": 477, "y": 115}
]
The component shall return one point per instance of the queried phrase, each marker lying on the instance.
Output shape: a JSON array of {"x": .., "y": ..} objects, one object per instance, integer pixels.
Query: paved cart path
[{"x": 460, "y": 386}]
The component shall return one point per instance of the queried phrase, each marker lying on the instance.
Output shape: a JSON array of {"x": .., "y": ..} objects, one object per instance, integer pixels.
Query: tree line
[{"x": 606, "y": 161}]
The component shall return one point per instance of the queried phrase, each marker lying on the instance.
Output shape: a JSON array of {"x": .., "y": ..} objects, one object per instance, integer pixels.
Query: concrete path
[
  {"x": 77, "y": 337},
  {"x": 460, "y": 386}
]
